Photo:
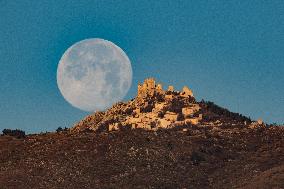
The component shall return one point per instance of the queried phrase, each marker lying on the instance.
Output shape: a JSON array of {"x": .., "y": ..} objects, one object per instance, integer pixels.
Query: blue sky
[{"x": 229, "y": 52}]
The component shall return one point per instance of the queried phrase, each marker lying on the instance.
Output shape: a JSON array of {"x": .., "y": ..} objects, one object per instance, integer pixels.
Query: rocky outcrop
[
  {"x": 154, "y": 108},
  {"x": 257, "y": 124}
]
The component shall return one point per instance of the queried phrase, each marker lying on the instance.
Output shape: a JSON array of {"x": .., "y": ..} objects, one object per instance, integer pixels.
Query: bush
[
  {"x": 15, "y": 133},
  {"x": 219, "y": 111},
  {"x": 60, "y": 129}
]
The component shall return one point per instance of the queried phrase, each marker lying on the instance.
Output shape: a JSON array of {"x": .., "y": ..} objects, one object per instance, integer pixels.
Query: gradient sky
[{"x": 229, "y": 52}]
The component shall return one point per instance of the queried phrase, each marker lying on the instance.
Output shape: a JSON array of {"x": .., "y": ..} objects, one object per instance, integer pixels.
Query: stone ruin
[
  {"x": 154, "y": 108},
  {"x": 149, "y": 88},
  {"x": 163, "y": 112}
]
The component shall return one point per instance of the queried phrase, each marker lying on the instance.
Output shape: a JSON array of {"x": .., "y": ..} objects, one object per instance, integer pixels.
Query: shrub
[
  {"x": 15, "y": 133},
  {"x": 223, "y": 112},
  {"x": 60, "y": 129}
]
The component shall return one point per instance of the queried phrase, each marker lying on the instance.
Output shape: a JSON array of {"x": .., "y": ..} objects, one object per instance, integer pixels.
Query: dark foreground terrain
[{"x": 201, "y": 157}]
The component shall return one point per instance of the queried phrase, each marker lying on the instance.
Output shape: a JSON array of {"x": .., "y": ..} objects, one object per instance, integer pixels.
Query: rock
[
  {"x": 169, "y": 97},
  {"x": 259, "y": 121},
  {"x": 147, "y": 89},
  {"x": 154, "y": 108},
  {"x": 193, "y": 121},
  {"x": 171, "y": 116},
  {"x": 159, "y": 106},
  {"x": 171, "y": 88},
  {"x": 256, "y": 124},
  {"x": 159, "y": 88},
  {"x": 187, "y": 111},
  {"x": 186, "y": 92},
  {"x": 113, "y": 127}
]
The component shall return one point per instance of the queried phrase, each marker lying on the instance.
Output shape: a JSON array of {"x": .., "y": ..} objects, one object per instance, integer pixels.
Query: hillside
[
  {"x": 160, "y": 139},
  {"x": 154, "y": 108}
]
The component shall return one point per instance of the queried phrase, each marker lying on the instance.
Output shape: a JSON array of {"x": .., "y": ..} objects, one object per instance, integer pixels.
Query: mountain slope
[{"x": 154, "y": 108}]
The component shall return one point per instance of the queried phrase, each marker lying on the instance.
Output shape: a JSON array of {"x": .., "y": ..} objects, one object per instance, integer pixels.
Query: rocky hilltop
[
  {"x": 160, "y": 139},
  {"x": 154, "y": 108}
]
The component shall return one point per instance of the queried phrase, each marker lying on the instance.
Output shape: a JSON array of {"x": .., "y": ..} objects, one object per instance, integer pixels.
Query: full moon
[{"x": 93, "y": 74}]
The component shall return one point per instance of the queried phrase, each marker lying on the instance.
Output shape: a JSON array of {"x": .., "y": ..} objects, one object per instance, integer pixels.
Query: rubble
[
  {"x": 153, "y": 108},
  {"x": 171, "y": 88},
  {"x": 186, "y": 92}
]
